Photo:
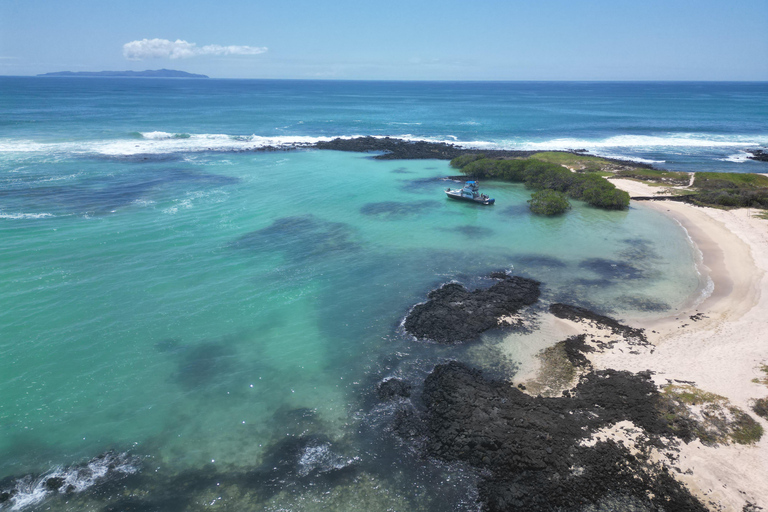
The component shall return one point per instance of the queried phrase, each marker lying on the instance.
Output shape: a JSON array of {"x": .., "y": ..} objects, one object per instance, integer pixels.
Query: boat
[{"x": 469, "y": 193}]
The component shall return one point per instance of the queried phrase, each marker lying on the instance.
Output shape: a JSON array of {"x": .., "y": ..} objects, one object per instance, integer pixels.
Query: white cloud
[{"x": 179, "y": 49}]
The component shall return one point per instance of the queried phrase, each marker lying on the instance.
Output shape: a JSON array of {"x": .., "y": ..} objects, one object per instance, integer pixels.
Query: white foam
[
  {"x": 159, "y": 142},
  {"x": 17, "y": 216},
  {"x": 30, "y": 491},
  {"x": 738, "y": 158},
  {"x": 321, "y": 458}
]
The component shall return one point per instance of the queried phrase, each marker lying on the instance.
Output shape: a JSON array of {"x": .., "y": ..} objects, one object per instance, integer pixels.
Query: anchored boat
[{"x": 469, "y": 193}]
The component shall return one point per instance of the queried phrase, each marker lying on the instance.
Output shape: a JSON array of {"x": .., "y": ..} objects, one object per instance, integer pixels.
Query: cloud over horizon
[{"x": 180, "y": 49}]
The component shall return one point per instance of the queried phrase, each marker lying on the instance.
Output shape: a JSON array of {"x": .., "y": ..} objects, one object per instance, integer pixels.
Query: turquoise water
[{"x": 190, "y": 307}]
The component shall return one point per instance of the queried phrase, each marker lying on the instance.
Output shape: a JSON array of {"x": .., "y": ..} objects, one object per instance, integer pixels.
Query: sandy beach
[{"x": 718, "y": 345}]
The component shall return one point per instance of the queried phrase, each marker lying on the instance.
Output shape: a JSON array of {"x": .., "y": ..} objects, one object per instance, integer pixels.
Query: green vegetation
[
  {"x": 549, "y": 202},
  {"x": 731, "y": 190},
  {"x": 760, "y": 406},
  {"x": 746, "y": 430},
  {"x": 725, "y": 180},
  {"x": 656, "y": 176},
  {"x": 708, "y": 416},
  {"x": 583, "y": 163},
  {"x": 763, "y": 380},
  {"x": 538, "y": 175},
  {"x": 461, "y": 161}
]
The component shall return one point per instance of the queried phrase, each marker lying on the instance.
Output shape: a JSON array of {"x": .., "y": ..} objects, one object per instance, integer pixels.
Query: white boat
[{"x": 469, "y": 193}]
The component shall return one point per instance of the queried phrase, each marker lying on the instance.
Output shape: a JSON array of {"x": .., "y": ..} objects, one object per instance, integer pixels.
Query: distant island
[{"x": 160, "y": 73}]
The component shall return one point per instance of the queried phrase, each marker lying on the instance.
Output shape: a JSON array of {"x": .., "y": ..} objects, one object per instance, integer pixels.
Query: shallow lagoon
[{"x": 197, "y": 310}]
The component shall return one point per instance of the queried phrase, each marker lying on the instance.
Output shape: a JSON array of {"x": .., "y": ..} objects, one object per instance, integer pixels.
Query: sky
[{"x": 393, "y": 40}]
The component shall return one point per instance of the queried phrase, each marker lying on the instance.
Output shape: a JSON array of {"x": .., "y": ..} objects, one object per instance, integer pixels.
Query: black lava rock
[
  {"x": 529, "y": 448},
  {"x": 393, "y": 388},
  {"x": 453, "y": 314},
  {"x": 577, "y": 314}
]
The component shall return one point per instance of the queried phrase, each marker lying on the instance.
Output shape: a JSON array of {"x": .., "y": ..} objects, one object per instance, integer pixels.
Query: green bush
[
  {"x": 548, "y": 202},
  {"x": 461, "y": 161}
]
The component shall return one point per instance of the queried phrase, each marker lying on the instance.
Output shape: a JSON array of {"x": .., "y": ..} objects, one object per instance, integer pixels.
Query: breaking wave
[
  {"x": 25, "y": 215},
  {"x": 31, "y": 490},
  {"x": 160, "y": 142}
]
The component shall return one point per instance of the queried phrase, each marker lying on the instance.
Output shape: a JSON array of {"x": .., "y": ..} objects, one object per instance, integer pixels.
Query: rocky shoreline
[
  {"x": 537, "y": 453},
  {"x": 452, "y": 314}
]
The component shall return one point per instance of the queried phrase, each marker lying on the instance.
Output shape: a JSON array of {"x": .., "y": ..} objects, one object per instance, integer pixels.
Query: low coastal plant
[
  {"x": 656, "y": 176},
  {"x": 731, "y": 190},
  {"x": 764, "y": 378},
  {"x": 760, "y": 407},
  {"x": 707, "y": 416},
  {"x": 548, "y": 202}
]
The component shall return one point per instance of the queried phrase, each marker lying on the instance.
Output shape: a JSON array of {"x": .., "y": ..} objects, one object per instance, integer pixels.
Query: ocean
[{"x": 188, "y": 322}]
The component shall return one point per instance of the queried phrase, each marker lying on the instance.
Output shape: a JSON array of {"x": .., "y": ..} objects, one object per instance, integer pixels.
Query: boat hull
[{"x": 459, "y": 197}]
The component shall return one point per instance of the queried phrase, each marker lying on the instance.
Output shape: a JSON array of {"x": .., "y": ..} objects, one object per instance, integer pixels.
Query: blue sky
[{"x": 394, "y": 40}]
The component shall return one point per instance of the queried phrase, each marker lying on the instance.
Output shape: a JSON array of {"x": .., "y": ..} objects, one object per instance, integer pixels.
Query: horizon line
[{"x": 320, "y": 79}]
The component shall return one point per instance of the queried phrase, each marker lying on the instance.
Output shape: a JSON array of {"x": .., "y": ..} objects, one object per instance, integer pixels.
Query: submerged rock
[
  {"x": 300, "y": 237},
  {"x": 454, "y": 314},
  {"x": 393, "y": 388}
]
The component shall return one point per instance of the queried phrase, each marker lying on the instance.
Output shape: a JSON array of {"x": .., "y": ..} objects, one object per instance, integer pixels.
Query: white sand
[{"x": 720, "y": 353}]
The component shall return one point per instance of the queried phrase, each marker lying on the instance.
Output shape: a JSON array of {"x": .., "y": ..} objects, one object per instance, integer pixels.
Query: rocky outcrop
[
  {"x": 391, "y": 389},
  {"x": 579, "y": 314},
  {"x": 399, "y": 149},
  {"x": 531, "y": 449},
  {"x": 454, "y": 314},
  {"x": 759, "y": 155}
]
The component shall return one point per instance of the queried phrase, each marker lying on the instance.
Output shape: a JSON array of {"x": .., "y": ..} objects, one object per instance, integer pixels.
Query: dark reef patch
[
  {"x": 638, "y": 249},
  {"x": 201, "y": 364},
  {"x": 453, "y": 314},
  {"x": 612, "y": 269},
  {"x": 516, "y": 210},
  {"x": 598, "y": 283},
  {"x": 401, "y": 170},
  {"x": 300, "y": 237},
  {"x": 538, "y": 261},
  {"x": 642, "y": 303},
  {"x": 530, "y": 449},
  {"x": 168, "y": 345},
  {"x": 469, "y": 231},
  {"x": 394, "y": 210},
  {"x": 102, "y": 195},
  {"x": 419, "y": 185}
]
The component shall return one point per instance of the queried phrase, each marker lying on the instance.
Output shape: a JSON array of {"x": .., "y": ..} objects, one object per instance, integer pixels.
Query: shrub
[
  {"x": 548, "y": 202},
  {"x": 461, "y": 161}
]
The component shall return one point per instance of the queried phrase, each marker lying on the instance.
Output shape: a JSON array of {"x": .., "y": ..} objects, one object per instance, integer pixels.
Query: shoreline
[{"x": 717, "y": 345}]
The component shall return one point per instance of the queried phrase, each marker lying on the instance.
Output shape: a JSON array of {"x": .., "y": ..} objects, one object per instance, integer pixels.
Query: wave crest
[
  {"x": 160, "y": 142},
  {"x": 31, "y": 490}
]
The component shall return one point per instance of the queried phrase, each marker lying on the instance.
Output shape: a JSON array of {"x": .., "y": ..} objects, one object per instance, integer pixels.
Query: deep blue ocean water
[{"x": 184, "y": 303}]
